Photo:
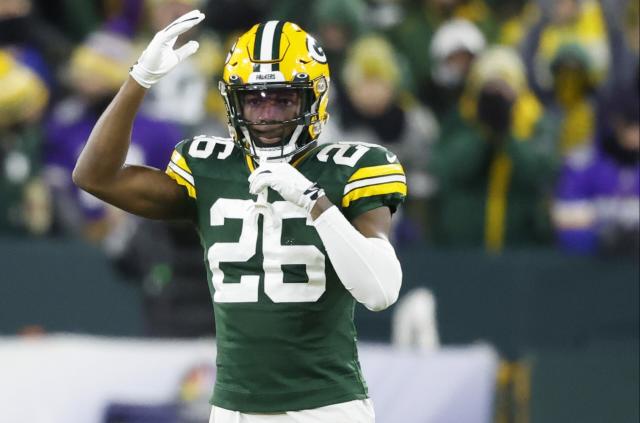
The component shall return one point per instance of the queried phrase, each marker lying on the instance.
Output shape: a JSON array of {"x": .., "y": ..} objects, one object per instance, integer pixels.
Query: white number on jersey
[
  {"x": 275, "y": 255},
  {"x": 340, "y": 157},
  {"x": 236, "y": 252},
  {"x": 202, "y": 147}
]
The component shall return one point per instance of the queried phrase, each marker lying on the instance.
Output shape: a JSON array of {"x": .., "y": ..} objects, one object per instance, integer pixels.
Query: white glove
[
  {"x": 288, "y": 182},
  {"x": 159, "y": 57}
]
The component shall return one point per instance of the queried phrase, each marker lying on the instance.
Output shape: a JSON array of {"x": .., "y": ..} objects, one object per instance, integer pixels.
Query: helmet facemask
[{"x": 295, "y": 130}]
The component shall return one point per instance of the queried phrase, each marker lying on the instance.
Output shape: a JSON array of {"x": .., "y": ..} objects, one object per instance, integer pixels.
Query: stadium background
[{"x": 519, "y": 252}]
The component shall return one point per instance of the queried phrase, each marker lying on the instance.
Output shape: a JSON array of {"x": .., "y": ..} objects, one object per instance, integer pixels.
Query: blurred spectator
[
  {"x": 24, "y": 199},
  {"x": 565, "y": 22},
  {"x": 215, "y": 121},
  {"x": 513, "y": 18},
  {"x": 567, "y": 58},
  {"x": 453, "y": 48},
  {"x": 96, "y": 70},
  {"x": 338, "y": 24},
  {"x": 623, "y": 29},
  {"x": 287, "y": 10},
  {"x": 180, "y": 96},
  {"x": 598, "y": 195},
  {"x": 422, "y": 18},
  {"x": 33, "y": 40},
  {"x": 166, "y": 258},
  {"x": 24, "y": 94},
  {"x": 76, "y": 19},
  {"x": 375, "y": 109},
  {"x": 574, "y": 101},
  {"x": 494, "y": 161},
  {"x": 579, "y": 54},
  {"x": 385, "y": 14},
  {"x": 230, "y": 18}
]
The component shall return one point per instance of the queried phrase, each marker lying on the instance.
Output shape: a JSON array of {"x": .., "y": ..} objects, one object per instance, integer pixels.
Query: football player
[{"x": 293, "y": 232}]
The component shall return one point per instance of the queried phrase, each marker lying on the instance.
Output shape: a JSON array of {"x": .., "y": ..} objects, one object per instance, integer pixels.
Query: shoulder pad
[
  {"x": 375, "y": 178},
  {"x": 204, "y": 146},
  {"x": 187, "y": 153},
  {"x": 355, "y": 154}
]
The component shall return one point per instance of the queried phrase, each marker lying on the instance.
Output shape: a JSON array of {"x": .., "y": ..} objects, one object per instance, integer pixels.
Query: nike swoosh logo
[
  {"x": 391, "y": 157},
  {"x": 312, "y": 191}
]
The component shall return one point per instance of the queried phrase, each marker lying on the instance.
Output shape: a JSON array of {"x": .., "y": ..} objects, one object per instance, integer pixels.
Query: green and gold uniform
[{"x": 285, "y": 334}]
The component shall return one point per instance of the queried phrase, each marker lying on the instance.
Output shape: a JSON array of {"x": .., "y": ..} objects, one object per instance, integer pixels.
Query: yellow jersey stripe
[
  {"x": 180, "y": 161},
  {"x": 297, "y": 161},
  {"x": 373, "y": 181},
  {"x": 381, "y": 170},
  {"x": 250, "y": 164},
  {"x": 191, "y": 190},
  {"x": 178, "y": 170},
  {"x": 371, "y": 190}
]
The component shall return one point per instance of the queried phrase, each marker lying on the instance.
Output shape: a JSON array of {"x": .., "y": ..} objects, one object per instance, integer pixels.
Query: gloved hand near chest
[{"x": 283, "y": 178}]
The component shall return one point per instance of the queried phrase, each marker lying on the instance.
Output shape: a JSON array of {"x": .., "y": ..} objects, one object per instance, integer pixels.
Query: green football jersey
[{"x": 285, "y": 334}]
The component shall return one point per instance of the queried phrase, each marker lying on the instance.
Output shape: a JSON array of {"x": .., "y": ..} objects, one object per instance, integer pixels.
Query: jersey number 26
[{"x": 275, "y": 255}]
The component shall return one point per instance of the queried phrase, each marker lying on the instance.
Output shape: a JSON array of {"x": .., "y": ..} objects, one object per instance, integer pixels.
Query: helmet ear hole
[{"x": 321, "y": 85}]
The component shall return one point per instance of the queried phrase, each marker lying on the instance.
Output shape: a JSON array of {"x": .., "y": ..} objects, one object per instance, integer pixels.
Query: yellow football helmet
[{"x": 276, "y": 55}]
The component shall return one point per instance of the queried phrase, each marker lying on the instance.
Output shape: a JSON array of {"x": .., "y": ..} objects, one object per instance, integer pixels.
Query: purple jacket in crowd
[
  {"x": 67, "y": 130},
  {"x": 597, "y": 202}
]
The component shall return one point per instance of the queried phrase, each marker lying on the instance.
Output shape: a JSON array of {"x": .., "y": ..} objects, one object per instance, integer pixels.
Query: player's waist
[
  {"x": 249, "y": 354},
  {"x": 270, "y": 387},
  {"x": 279, "y": 368}
]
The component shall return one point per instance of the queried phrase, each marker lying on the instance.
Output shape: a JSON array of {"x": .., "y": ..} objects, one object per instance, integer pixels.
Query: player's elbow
[
  {"x": 78, "y": 178},
  {"x": 382, "y": 301},
  {"x": 85, "y": 181},
  {"x": 389, "y": 291},
  {"x": 81, "y": 179},
  {"x": 378, "y": 305}
]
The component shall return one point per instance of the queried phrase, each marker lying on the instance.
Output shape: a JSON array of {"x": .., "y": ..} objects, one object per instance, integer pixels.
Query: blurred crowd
[{"x": 517, "y": 121}]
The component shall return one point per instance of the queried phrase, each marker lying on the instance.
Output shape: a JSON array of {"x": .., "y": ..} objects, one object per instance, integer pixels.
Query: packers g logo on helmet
[{"x": 277, "y": 55}]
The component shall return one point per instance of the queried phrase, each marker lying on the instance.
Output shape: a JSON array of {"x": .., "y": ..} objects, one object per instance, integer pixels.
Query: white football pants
[{"x": 358, "y": 411}]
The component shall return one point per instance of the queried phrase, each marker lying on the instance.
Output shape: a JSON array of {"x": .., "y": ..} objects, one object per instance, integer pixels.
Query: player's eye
[
  {"x": 284, "y": 101},
  {"x": 253, "y": 101}
]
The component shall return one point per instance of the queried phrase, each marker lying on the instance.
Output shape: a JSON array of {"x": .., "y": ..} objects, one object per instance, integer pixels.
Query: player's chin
[
  {"x": 268, "y": 137},
  {"x": 268, "y": 140}
]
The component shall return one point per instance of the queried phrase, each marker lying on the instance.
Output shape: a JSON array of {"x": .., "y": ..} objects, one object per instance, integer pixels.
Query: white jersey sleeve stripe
[
  {"x": 177, "y": 169},
  {"x": 373, "y": 181}
]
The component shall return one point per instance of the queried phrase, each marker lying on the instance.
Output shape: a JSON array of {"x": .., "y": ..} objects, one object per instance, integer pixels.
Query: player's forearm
[
  {"x": 323, "y": 204},
  {"x": 104, "y": 154},
  {"x": 367, "y": 267}
]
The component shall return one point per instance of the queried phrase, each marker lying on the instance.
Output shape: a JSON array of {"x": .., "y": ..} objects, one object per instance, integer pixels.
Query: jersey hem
[{"x": 276, "y": 403}]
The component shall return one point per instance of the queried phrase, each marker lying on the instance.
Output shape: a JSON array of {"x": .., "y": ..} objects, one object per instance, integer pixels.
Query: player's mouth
[
  {"x": 268, "y": 140},
  {"x": 268, "y": 136}
]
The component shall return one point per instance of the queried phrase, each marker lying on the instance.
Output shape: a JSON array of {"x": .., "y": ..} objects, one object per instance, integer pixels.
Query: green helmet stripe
[
  {"x": 258, "y": 42},
  {"x": 275, "y": 49}
]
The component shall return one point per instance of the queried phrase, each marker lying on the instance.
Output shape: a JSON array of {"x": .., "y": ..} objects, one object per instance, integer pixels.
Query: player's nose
[{"x": 269, "y": 112}]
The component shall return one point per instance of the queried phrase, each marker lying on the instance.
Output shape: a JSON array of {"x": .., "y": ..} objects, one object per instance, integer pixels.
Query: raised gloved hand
[
  {"x": 159, "y": 57},
  {"x": 288, "y": 182}
]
